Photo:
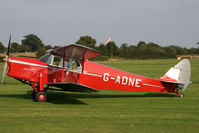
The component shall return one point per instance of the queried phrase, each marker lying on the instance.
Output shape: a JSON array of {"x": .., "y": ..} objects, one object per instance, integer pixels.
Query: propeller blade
[
  {"x": 6, "y": 61},
  {"x": 8, "y": 51},
  {"x": 4, "y": 73}
]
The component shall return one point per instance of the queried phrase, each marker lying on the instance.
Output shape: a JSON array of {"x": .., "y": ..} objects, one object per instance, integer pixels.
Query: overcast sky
[{"x": 62, "y": 22}]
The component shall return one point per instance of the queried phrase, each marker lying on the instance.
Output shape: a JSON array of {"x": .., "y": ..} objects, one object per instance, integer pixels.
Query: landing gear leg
[
  {"x": 41, "y": 95},
  {"x": 39, "y": 92},
  {"x": 35, "y": 90}
]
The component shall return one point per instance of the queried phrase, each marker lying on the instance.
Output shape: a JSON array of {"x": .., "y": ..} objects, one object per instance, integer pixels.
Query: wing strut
[{"x": 63, "y": 67}]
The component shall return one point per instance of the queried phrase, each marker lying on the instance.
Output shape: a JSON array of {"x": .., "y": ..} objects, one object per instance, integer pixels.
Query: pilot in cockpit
[{"x": 68, "y": 64}]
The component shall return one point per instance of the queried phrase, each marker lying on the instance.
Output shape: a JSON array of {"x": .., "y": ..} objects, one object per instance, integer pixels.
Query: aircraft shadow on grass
[{"x": 72, "y": 98}]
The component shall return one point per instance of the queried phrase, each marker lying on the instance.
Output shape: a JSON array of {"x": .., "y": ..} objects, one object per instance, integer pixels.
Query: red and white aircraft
[{"x": 75, "y": 73}]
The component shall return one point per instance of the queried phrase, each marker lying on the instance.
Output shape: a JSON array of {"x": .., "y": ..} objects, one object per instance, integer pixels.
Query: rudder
[{"x": 179, "y": 74}]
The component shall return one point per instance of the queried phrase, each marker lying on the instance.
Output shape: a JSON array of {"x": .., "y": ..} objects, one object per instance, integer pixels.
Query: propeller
[{"x": 6, "y": 61}]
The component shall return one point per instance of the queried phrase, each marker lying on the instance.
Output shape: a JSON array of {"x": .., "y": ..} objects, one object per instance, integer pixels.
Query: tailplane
[{"x": 179, "y": 74}]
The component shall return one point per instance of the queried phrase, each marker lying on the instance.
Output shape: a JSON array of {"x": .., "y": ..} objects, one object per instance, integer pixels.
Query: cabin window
[
  {"x": 47, "y": 58},
  {"x": 67, "y": 64},
  {"x": 71, "y": 64},
  {"x": 76, "y": 65}
]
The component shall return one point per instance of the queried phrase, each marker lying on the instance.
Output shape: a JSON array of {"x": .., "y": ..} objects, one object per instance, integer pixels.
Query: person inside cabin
[
  {"x": 78, "y": 65},
  {"x": 68, "y": 64}
]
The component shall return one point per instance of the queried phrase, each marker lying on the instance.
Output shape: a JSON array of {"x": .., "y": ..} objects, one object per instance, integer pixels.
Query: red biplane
[{"x": 73, "y": 72}]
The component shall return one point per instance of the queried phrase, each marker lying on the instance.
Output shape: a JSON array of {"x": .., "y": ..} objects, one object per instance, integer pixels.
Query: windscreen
[{"x": 47, "y": 58}]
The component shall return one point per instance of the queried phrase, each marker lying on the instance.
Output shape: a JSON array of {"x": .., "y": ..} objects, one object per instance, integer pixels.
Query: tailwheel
[
  {"x": 181, "y": 95},
  {"x": 41, "y": 96}
]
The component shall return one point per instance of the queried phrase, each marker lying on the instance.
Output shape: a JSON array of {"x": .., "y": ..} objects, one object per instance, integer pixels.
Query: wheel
[
  {"x": 33, "y": 94},
  {"x": 41, "y": 96},
  {"x": 181, "y": 95}
]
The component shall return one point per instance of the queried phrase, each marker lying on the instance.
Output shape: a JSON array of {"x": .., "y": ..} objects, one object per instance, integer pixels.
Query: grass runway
[{"x": 106, "y": 112}]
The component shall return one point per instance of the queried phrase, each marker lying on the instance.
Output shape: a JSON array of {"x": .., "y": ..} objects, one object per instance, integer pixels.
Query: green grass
[{"x": 107, "y": 112}]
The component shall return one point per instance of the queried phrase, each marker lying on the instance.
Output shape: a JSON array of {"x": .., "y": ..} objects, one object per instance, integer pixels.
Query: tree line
[{"x": 143, "y": 50}]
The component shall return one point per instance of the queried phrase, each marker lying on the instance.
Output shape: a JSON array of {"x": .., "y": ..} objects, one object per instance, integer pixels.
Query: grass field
[{"x": 107, "y": 112}]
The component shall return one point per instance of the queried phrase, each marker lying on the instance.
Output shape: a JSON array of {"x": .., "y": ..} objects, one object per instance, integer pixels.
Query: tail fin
[{"x": 179, "y": 74}]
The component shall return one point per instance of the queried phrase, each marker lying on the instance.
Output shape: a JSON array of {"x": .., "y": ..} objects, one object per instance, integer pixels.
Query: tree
[
  {"x": 87, "y": 41},
  {"x": 15, "y": 47},
  {"x": 102, "y": 49},
  {"x": 40, "y": 52},
  {"x": 171, "y": 50},
  {"x": 33, "y": 42},
  {"x": 2, "y": 48},
  {"x": 56, "y": 47},
  {"x": 153, "y": 45},
  {"x": 141, "y": 45},
  {"x": 124, "y": 50},
  {"x": 47, "y": 47},
  {"x": 23, "y": 48},
  {"x": 112, "y": 49},
  {"x": 179, "y": 50}
]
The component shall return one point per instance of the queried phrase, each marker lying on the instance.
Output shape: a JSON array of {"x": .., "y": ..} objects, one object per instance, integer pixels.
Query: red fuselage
[{"x": 93, "y": 75}]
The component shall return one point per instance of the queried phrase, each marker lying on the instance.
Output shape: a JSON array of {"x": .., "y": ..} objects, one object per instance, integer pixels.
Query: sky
[{"x": 62, "y": 22}]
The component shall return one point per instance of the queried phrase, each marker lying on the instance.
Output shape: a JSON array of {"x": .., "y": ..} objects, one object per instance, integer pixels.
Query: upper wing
[{"x": 76, "y": 51}]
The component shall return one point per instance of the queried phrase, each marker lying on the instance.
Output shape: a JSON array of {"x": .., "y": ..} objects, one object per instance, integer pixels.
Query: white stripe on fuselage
[
  {"x": 85, "y": 72},
  {"x": 152, "y": 85},
  {"x": 27, "y": 63}
]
